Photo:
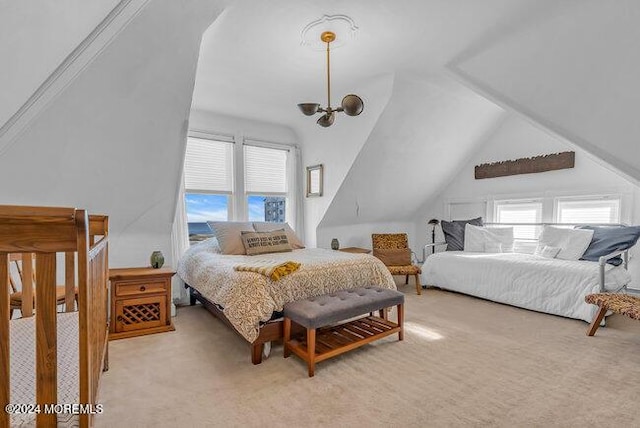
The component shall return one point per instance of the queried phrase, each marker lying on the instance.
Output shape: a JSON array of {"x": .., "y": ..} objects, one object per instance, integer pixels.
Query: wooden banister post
[
  {"x": 69, "y": 281},
  {"x": 5, "y": 386},
  {"x": 27, "y": 285},
  {"x": 46, "y": 337}
]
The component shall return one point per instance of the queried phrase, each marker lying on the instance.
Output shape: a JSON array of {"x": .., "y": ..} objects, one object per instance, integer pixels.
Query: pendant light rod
[{"x": 328, "y": 77}]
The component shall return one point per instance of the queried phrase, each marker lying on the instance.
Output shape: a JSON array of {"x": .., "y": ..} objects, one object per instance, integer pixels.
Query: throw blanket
[{"x": 270, "y": 269}]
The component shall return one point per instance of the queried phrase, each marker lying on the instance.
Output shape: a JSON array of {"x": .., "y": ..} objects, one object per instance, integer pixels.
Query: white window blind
[
  {"x": 265, "y": 170},
  {"x": 208, "y": 166},
  {"x": 601, "y": 210},
  {"x": 520, "y": 212}
]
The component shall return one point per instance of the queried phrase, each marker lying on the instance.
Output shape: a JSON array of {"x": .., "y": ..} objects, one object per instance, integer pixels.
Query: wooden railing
[{"x": 39, "y": 234}]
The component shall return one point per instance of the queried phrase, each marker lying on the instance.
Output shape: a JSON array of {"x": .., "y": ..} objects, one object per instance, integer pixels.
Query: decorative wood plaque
[{"x": 532, "y": 165}]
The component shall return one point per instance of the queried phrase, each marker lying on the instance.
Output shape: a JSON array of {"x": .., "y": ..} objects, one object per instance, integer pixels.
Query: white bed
[{"x": 528, "y": 281}]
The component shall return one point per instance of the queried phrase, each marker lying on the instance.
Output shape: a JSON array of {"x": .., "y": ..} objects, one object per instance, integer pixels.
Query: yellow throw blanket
[{"x": 272, "y": 270}]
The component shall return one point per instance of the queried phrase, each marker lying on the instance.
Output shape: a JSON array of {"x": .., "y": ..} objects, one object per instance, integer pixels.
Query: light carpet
[{"x": 464, "y": 362}]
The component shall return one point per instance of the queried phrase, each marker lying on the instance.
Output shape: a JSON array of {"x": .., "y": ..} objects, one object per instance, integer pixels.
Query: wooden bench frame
[{"x": 328, "y": 342}]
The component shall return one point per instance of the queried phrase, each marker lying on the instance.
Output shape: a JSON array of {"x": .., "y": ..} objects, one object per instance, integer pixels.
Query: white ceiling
[{"x": 252, "y": 63}]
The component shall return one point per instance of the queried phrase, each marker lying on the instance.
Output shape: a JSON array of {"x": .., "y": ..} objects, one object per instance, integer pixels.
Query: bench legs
[
  {"x": 309, "y": 354},
  {"x": 287, "y": 336},
  {"x": 311, "y": 351},
  {"x": 596, "y": 321}
]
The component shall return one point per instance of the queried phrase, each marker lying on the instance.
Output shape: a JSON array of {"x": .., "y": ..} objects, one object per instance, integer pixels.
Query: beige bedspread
[{"x": 248, "y": 297}]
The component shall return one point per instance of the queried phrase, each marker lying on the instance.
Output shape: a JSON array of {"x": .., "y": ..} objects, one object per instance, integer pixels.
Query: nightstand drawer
[{"x": 140, "y": 288}]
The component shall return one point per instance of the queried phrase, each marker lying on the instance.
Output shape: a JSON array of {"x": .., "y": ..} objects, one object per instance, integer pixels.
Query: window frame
[{"x": 589, "y": 198}]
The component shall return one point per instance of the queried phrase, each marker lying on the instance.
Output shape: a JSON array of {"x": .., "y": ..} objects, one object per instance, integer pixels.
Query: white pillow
[
  {"x": 228, "y": 234},
  {"x": 492, "y": 247},
  {"x": 476, "y": 237},
  {"x": 572, "y": 242},
  {"x": 547, "y": 251}
]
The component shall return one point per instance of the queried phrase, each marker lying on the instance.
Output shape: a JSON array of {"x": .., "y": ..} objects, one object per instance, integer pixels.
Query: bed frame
[
  {"x": 41, "y": 233},
  {"x": 271, "y": 331}
]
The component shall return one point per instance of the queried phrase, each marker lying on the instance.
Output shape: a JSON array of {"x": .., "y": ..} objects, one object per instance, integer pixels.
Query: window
[
  {"x": 518, "y": 211},
  {"x": 598, "y": 210},
  {"x": 226, "y": 181},
  {"x": 266, "y": 187},
  {"x": 208, "y": 182}
]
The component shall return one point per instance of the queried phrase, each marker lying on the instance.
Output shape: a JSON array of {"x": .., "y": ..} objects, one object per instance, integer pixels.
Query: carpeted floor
[{"x": 464, "y": 362}]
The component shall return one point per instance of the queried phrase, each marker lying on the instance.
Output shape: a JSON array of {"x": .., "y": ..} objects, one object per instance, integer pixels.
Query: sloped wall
[
  {"x": 419, "y": 142},
  {"x": 35, "y": 37},
  {"x": 575, "y": 72},
  {"x": 517, "y": 138},
  {"x": 114, "y": 140}
]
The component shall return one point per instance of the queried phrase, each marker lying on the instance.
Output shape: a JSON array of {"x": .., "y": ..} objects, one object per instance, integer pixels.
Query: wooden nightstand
[
  {"x": 140, "y": 302},
  {"x": 355, "y": 250}
]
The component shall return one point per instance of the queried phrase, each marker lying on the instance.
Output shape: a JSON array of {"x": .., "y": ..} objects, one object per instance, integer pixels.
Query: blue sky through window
[
  {"x": 256, "y": 208},
  {"x": 203, "y": 207}
]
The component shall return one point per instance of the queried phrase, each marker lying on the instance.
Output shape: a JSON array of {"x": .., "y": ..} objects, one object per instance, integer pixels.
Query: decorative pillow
[
  {"x": 265, "y": 242},
  {"x": 547, "y": 251},
  {"x": 294, "y": 241},
  {"x": 476, "y": 239},
  {"x": 211, "y": 244},
  {"x": 454, "y": 232},
  {"x": 572, "y": 242},
  {"x": 394, "y": 256},
  {"x": 228, "y": 235},
  {"x": 492, "y": 247},
  {"x": 606, "y": 240}
]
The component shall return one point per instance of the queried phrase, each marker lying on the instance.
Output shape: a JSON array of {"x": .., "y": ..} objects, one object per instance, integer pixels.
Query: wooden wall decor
[{"x": 532, "y": 165}]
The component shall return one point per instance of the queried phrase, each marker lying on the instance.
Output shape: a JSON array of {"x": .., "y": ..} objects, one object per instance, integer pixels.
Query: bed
[
  {"x": 52, "y": 359},
  {"x": 528, "y": 281},
  {"x": 249, "y": 302}
]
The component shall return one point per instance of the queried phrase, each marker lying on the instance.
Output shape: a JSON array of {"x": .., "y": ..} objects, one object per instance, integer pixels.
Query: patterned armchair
[{"x": 399, "y": 241}]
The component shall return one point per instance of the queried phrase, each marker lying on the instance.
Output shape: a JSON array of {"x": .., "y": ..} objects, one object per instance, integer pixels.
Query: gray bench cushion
[{"x": 320, "y": 311}]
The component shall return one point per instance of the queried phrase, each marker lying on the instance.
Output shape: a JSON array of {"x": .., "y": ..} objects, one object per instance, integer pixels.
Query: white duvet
[{"x": 533, "y": 282}]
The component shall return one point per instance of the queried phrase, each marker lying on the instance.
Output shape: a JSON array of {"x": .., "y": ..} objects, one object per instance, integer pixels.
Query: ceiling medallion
[
  {"x": 337, "y": 24},
  {"x": 351, "y": 105}
]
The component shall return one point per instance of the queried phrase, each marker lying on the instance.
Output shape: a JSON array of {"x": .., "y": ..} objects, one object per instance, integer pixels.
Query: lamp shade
[
  {"x": 309, "y": 109},
  {"x": 326, "y": 120},
  {"x": 352, "y": 105}
]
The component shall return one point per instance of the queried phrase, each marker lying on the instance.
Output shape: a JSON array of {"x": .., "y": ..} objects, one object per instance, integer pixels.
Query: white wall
[
  {"x": 575, "y": 71},
  {"x": 415, "y": 147},
  {"x": 113, "y": 141},
  {"x": 217, "y": 123},
  {"x": 35, "y": 37},
  {"x": 336, "y": 147},
  {"x": 516, "y": 138}
]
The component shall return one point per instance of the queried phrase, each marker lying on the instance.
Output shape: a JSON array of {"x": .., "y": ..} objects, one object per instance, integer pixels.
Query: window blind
[
  {"x": 520, "y": 212},
  {"x": 265, "y": 170},
  {"x": 208, "y": 166},
  {"x": 589, "y": 211}
]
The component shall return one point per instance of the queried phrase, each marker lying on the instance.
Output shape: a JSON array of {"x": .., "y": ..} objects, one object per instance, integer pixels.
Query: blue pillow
[
  {"x": 454, "y": 232},
  {"x": 607, "y": 239}
]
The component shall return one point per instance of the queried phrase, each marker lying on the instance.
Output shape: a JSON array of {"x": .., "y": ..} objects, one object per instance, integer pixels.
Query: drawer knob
[{"x": 142, "y": 288}]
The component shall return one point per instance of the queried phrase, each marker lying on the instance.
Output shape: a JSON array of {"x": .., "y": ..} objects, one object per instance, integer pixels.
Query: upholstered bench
[
  {"x": 618, "y": 303},
  {"x": 319, "y": 315}
]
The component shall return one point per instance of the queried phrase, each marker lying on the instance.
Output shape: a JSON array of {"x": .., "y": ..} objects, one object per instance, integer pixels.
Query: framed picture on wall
[{"x": 314, "y": 180}]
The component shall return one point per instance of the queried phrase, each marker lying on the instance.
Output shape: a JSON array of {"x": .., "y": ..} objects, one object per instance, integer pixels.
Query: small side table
[
  {"x": 355, "y": 250},
  {"x": 140, "y": 302}
]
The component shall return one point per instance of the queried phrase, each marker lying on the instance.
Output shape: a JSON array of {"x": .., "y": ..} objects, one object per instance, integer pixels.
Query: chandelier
[{"x": 351, "y": 105}]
